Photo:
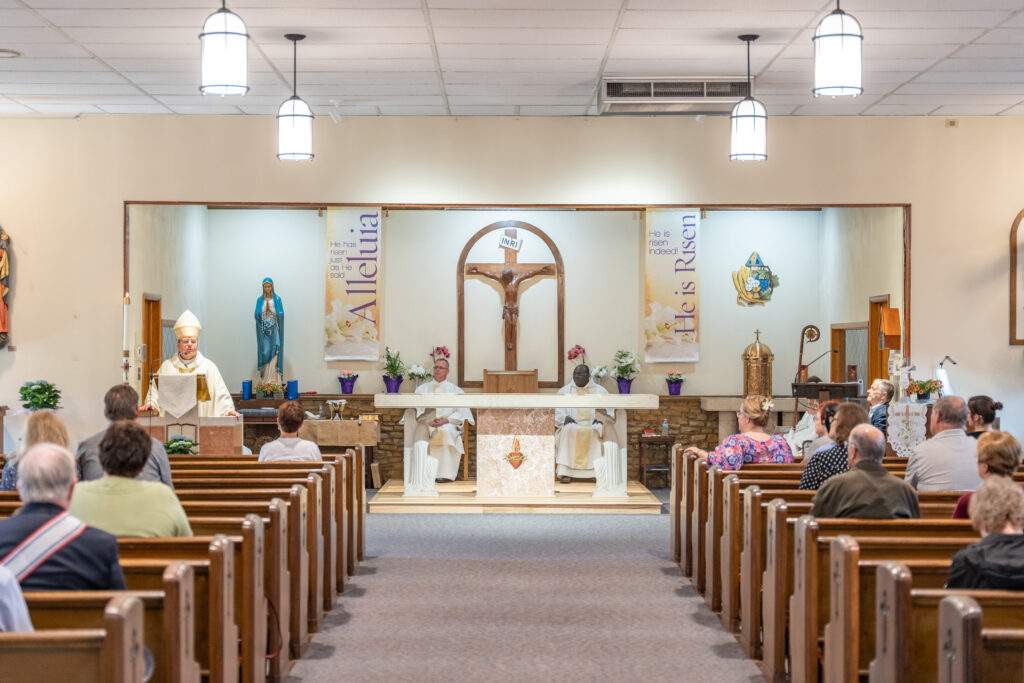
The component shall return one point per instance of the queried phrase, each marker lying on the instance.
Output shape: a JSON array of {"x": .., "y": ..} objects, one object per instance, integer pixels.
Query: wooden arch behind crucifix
[{"x": 510, "y": 276}]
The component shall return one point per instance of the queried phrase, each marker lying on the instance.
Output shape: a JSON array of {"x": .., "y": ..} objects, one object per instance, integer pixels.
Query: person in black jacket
[
  {"x": 79, "y": 557},
  {"x": 880, "y": 394},
  {"x": 997, "y": 561}
]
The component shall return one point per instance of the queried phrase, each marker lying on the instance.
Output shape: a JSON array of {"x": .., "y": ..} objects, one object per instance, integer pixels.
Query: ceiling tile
[
  {"x": 968, "y": 110},
  {"x": 523, "y": 36},
  {"x": 316, "y": 34},
  {"x": 459, "y": 51},
  {"x": 917, "y": 19},
  {"x": 548, "y": 18},
  {"x": 484, "y": 110},
  {"x": 546, "y": 110},
  {"x": 134, "y": 109},
  {"x": 685, "y": 19},
  {"x": 899, "y": 110}
]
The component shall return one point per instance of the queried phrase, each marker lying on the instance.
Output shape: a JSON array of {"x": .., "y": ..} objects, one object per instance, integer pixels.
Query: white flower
[
  {"x": 341, "y": 326},
  {"x": 599, "y": 372},
  {"x": 752, "y": 284},
  {"x": 658, "y": 323}
]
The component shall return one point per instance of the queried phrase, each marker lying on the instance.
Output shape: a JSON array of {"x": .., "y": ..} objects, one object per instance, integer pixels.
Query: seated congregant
[
  {"x": 834, "y": 460},
  {"x": 997, "y": 560},
  {"x": 981, "y": 413},
  {"x": 13, "y": 610},
  {"x": 999, "y": 455},
  {"x": 69, "y": 555},
  {"x": 823, "y": 418},
  {"x": 867, "y": 490},
  {"x": 754, "y": 444},
  {"x": 118, "y": 502},
  {"x": 581, "y": 433},
  {"x": 880, "y": 394},
  {"x": 948, "y": 461},
  {"x": 121, "y": 402},
  {"x": 43, "y": 427},
  {"x": 289, "y": 446},
  {"x": 438, "y": 434}
]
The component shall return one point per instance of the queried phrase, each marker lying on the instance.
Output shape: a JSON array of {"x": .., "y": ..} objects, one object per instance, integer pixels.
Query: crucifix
[{"x": 509, "y": 276}]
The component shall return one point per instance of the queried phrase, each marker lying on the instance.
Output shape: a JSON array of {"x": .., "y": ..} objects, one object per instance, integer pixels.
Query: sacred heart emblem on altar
[
  {"x": 754, "y": 282},
  {"x": 516, "y": 457}
]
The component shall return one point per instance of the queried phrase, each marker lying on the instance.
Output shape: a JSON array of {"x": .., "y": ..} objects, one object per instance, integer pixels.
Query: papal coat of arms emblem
[
  {"x": 516, "y": 457},
  {"x": 754, "y": 282}
]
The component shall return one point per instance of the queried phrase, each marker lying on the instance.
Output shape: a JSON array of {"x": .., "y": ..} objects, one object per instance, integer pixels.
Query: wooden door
[
  {"x": 152, "y": 340},
  {"x": 878, "y": 357}
]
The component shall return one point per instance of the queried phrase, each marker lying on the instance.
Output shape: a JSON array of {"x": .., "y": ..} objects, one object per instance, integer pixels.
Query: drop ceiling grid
[{"x": 501, "y": 57}]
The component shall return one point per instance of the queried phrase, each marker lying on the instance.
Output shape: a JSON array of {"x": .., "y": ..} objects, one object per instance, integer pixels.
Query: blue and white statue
[{"x": 270, "y": 334}]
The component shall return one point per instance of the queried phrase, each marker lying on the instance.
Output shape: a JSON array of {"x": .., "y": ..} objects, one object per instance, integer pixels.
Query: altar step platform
[{"x": 460, "y": 497}]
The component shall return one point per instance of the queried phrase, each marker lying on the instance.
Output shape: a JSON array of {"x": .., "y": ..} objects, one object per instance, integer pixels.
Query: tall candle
[{"x": 124, "y": 335}]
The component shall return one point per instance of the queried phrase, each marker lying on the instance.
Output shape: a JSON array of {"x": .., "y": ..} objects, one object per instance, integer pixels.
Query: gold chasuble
[{"x": 585, "y": 434}]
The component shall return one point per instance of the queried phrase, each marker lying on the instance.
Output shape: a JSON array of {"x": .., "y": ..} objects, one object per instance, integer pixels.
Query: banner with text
[
  {"x": 352, "y": 314},
  {"x": 671, "y": 321}
]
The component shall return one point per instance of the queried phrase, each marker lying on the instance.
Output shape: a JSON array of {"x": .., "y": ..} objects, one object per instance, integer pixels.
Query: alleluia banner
[
  {"x": 671, "y": 321},
  {"x": 352, "y": 313}
]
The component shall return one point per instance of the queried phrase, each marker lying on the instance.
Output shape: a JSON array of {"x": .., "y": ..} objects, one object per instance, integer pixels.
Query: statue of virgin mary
[{"x": 270, "y": 334}]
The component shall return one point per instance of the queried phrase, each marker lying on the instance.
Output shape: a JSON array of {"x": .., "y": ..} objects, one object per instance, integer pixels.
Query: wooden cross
[{"x": 509, "y": 276}]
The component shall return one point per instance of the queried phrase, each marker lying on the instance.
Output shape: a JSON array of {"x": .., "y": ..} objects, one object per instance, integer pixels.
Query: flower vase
[
  {"x": 348, "y": 384},
  {"x": 674, "y": 385},
  {"x": 392, "y": 384},
  {"x": 624, "y": 384}
]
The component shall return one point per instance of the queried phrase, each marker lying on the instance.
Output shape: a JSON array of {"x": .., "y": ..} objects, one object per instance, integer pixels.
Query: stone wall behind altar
[{"x": 687, "y": 422}]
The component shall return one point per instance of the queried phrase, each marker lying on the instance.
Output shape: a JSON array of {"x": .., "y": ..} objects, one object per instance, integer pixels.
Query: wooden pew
[
  {"x": 878, "y": 539},
  {"x": 250, "y": 602},
  {"x": 972, "y": 654},
  {"x": 850, "y": 632},
  {"x": 216, "y": 633},
  {"x": 675, "y": 480},
  {"x": 109, "y": 653},
  {"x": 168, "y": 620},
  {"x": 907, "y": 630}
]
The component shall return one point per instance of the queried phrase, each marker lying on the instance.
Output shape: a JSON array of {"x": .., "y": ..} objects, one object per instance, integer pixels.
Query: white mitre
[{"x": 187, "y": 325}]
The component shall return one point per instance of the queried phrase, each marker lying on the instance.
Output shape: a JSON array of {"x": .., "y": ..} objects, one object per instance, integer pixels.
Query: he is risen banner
[
  {"x": 671, "y": 293},
  {"x": 352, "y": 313}
]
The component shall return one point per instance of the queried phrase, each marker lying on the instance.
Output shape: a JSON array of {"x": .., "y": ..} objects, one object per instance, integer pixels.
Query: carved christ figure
[{"x": 510, "y": 276}]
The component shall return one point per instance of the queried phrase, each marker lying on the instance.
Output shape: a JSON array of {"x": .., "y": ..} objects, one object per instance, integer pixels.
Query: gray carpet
[{"x": 521, "y": 598}]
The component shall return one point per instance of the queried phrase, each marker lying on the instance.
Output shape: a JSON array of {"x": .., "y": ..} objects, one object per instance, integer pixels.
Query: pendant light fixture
[
  {"x": 837, "y": 55},
  {"x": 294, "y": 118},
  {"x": 749, "y": 121},
  {"x": 225, "y": 54}
]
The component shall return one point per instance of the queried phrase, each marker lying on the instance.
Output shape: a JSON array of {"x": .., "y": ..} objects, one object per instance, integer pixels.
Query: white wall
[{"x": 63, "y": 185}]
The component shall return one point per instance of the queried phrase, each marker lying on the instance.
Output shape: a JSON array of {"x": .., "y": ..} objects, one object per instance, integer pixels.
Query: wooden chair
[{"x": 972, "y": 654}]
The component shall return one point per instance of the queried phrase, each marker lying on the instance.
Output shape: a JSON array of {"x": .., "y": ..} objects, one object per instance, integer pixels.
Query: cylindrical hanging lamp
[
  {"x": 225, "y": 54},
  {"x": 294, "y": 118},
  {"x": 837, "y": 55},
  {"x": 749, "y": 121}
]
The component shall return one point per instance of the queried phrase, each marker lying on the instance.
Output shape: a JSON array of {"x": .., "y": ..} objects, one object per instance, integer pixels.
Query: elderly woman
[
  {"x": 753, "y": 445},
  {"x": 833, "y": 460},
  {"x": 999, "y": 455},
  {"x": 823, "y": 418},
  {"x": 981, "y": 413},
  {"x": 43, "y": 427},
  {"x": 120, "y": 504},
  {"x": 997, "y": 561}
]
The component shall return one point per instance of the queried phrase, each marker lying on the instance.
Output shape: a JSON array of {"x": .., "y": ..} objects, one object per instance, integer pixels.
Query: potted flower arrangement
[
  {"x": 181, "y": 445},
  {"x": 39, "y": 395},
  {"x": 625, "y": 366},
  {"x": 577, "y": 352},
  {"x": 394, "y": 370},
  {"x": 924, "y": 388},
  {"x": 440, "y": 352},
  {"x": 418, "y": 373},
  {"x": 267, "y": 390},
  {"x": 348, "y": 381},
  {"x": 599, "y": 373},
  {"x": 674, "y": 380}
]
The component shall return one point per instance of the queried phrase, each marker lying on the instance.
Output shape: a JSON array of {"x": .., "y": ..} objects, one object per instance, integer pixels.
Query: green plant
[
  {"x": 39, "y": 395},
  {"x": 393, "y": 364},
  {"x": 674, "y": 377},
  {"x": 268, "y": 389},
  {"x": 181, "y": 445},
  {"x": 923, "y": 387},
  {"x": 625, "y": 365}
]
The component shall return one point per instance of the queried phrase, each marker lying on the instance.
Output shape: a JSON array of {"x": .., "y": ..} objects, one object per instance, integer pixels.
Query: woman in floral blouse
[
  {"x": 753, "y": 445},
  {"x": 835, "y": 460}
]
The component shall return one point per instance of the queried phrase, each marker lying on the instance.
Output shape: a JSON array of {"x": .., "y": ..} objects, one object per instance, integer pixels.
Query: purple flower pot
[
  {"x": 348, "y": 383},
  {"x": 391, "y": 384},
  {"x": 674, "y": 385},
  {"x": 624, "y": 384}
]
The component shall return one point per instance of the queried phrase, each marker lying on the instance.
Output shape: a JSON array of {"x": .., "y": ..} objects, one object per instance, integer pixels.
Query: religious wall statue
[
  {"x": 270, "y": 334},
  {"x": 5, "y": 286},
  {"x": 754, "y": 282}
]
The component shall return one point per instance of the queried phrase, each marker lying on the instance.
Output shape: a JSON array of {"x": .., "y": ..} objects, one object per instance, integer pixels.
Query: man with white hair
[{"x": 45, "y": 547}]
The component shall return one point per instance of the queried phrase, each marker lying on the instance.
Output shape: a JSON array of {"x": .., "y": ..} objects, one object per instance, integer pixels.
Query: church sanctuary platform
[{"x": 460, "y": 497}]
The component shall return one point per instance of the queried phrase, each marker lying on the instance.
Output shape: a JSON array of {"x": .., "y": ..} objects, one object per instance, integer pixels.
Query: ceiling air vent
[{"x": 671, "y": 95}]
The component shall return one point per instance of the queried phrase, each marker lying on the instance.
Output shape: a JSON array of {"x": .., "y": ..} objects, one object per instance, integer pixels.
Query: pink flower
[
  {"x": 576, "y": 351},
  {"x": 441, "y": 352}
]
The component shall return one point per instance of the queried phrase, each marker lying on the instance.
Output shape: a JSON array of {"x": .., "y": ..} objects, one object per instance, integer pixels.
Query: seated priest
[
  {"x": 581, "y": 433},
  {"x": 214, "y": 397},
  {"x": 439, "y": 430}
]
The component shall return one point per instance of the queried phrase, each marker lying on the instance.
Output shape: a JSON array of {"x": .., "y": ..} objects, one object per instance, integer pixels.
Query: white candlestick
[{"x": 124, "y": 345}]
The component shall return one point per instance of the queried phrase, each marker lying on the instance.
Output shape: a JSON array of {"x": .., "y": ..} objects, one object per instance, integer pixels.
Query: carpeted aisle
[{"x": 521, "y": 597}]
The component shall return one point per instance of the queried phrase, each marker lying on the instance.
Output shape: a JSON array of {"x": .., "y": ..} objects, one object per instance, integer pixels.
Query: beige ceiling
[{"x": 502, "y": 57}]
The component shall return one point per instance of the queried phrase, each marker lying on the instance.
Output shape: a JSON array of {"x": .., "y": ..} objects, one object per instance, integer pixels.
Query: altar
[{"x": 516, "y": 459}]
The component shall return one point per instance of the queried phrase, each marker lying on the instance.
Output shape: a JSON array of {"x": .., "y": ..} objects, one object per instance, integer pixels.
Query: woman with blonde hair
[
  {"x": 754, "y": 444},
  {"x": 43, "y": 427},
  {"x": 999, "y": 455}
]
